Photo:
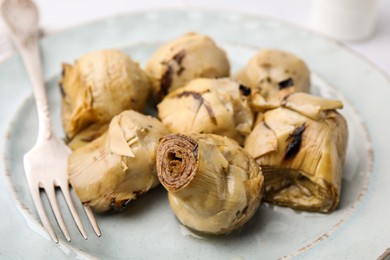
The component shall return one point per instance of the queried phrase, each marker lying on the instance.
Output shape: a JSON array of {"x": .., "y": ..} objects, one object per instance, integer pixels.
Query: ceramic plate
[{"x": 148, "y": 228}]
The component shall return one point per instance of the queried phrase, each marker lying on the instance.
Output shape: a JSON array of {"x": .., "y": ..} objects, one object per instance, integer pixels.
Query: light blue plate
[{"x": 360, "y": 228}]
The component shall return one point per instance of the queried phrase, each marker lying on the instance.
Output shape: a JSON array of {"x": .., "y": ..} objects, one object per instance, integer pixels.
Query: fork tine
[
  {"x": 51, "y": 195},
  {"x": 72, "y": 208},
  {"x": 92, "y": 220},
  {"x": 35, "y": 193}
]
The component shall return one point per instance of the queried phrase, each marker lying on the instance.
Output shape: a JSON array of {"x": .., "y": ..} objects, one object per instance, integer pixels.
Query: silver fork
[{"x": 46, "y": 163}]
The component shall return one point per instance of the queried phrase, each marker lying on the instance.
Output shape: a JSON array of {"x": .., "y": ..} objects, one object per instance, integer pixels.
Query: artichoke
[
  {"x": 217, "y": 106},
  {"x": 301, "y": 145},
  {"x": 100, "y": 85},
  {"x": 118, "y": 166},
  {"x": 271, "y": 70},
  {"x": 177, "y": 62},
  {"x": 214, "y": 186},
  {"x": 87, "y": 135}
]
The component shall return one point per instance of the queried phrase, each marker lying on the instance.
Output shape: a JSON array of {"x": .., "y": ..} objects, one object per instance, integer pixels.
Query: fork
[{"x": 46, "y": 163}]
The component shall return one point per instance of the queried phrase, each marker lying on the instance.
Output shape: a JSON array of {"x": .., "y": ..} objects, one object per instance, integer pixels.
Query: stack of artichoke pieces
[
  {"x": 300, "y": 141},
  {"x": 120, "y": 165},
  {"x": 188, "y": 57},
  {"x": 97, "y": 87},
  {"x": 214, "y": 186},
  {"x": 216, "y": 106}
]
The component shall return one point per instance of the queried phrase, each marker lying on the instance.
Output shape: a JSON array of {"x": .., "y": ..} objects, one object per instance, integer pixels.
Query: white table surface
[{"x": 59, "y": 15}]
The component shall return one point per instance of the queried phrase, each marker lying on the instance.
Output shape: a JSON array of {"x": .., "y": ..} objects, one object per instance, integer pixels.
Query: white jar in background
[{"x": 348, "y": 20}]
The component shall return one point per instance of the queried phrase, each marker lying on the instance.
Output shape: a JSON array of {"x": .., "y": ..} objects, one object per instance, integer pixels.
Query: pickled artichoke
[
  {"x": 120, "y": 165},
  {"x": 217, "y": 106},
  {"x": 179, "y": 61},
  {"x": 301, "y": 146},
  {"x": 213, "y": 185},
  {"x": 271, "y": 70},
  {"x": 100, "y": 85}
]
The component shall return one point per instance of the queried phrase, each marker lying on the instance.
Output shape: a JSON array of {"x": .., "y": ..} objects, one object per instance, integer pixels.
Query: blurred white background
[{"x": 58, "y": 15}]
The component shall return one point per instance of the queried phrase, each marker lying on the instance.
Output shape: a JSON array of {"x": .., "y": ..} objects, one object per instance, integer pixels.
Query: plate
[{"x": 148, "y": 228}]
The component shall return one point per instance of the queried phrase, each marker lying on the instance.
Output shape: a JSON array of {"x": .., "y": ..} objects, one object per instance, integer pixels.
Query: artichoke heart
[
  {"x": 271, "y": 70},
  {"x": 118, "y": 166},
  {"x": 188, "y": 57},
  {"x": 214, "y": 186},
  {"x": 301, "y": 147},
  {"x": 98, "y": 86},
  {"x": 216, "y": 106}
]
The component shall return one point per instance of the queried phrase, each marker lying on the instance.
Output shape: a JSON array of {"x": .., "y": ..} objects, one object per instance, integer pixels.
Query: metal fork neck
[{"x": 31, "y": 56}]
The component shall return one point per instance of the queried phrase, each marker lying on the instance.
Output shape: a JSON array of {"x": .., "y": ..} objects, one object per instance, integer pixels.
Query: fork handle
[{"x": 29, "y": 52}]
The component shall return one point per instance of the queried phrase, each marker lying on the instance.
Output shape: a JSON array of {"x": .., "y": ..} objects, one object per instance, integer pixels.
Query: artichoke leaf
[
  {"x": 263, "y": 143},
  {"x": 311, "y": 106},
  {"x": 117, "y": 141}
]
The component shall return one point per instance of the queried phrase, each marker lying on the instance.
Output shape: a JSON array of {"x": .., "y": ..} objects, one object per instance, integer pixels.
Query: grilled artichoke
[
  {"x": 213, "y": 185},
  {"x": 217, "y": 106},
  {"x": 177, "y": 62},
  {"x": 120, "y": 165},
  {"x": 301, "y": 146},
  {"x": 271, "y": 70},
  {"x": 100, "y": 85}
]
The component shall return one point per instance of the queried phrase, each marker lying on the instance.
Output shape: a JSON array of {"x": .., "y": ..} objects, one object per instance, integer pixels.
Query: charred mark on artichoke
[
  {"x": 88, "y": 139},
  {"x": 245, "y": 90},
  {"x": 178, "y": 57},
  {"x": 63, "y": 71},
  {"x": 137, "y": 194},
  {"x": 166, "y": 80},
  {"x": 91, "y": 137},
  {"x": 63, "y": 94},
  {"x": 197, "y": 96},
  {"x": 266, "y": 65},
  {"x": 195, "y": 151},
  {"x": 243, "y": 212},
  {"x": 211, "y": 114},
  {"x": 117, "y": 205},
  {"x": 193, "y": 94},
  {"x": 180, "y": 71},
  {"x": 295, "y": 142},
  {"x": 266, "y": 125},
  {"x": 286, "y": 83},
  {"x": 284, "y": 100}
]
